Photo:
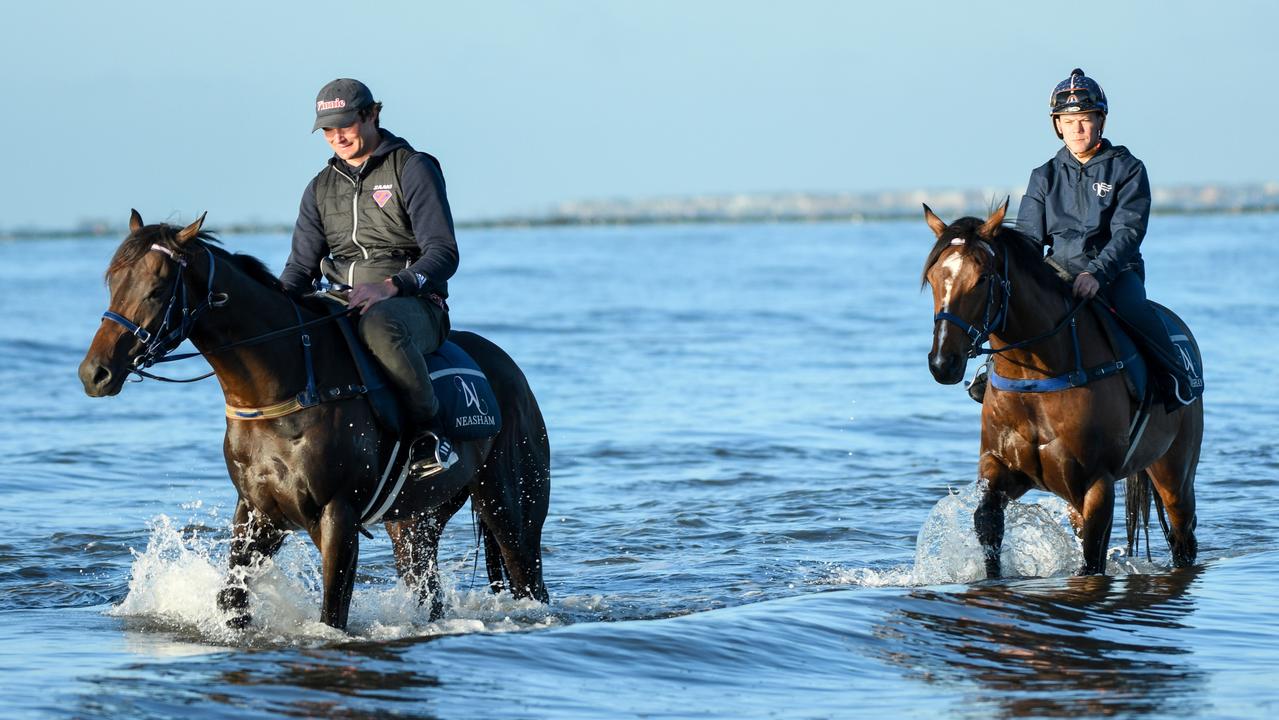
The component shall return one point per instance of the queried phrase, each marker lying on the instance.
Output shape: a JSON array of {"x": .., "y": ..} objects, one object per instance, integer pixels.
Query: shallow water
[{"x": 760, "y": 506}]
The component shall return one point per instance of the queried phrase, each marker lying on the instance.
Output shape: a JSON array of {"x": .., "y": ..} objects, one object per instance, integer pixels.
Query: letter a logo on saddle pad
[{"x": 381, "y": 196}]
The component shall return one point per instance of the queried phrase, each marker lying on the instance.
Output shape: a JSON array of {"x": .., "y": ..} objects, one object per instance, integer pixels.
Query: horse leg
[
  {"x": 493, "y": 560},
  {"x": 251, "y": 535},
  {"x": 519, "y": 539},
  {"x": 338, "y": 540},
  {"x": 997, "y": 484},
  {"x": 1174, "y": 481},
  {"x": 416, "y": 543},
  {"x": 1098, "y": 515}
]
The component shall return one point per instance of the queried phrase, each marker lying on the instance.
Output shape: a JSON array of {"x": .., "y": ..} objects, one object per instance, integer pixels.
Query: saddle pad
[
  {"x": 1191, "y": 359},
  {"x": 468, "y": 405},
  {"x": 1123, "y": 345}
]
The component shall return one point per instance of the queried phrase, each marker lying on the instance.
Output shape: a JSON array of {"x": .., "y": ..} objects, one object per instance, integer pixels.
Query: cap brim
[{"x": 336, "y": 120}]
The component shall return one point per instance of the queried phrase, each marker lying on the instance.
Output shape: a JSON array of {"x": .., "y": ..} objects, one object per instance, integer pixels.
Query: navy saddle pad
[
  {"x": 1139, "y": 370},
  {"x": 468, "y": 405}
]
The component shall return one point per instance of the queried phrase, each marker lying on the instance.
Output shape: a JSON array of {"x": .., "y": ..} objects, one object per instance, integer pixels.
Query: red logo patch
[{"x": 381, "y": 196}]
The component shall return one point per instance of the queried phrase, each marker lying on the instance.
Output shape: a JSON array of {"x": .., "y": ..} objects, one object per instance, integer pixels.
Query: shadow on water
[
  {"x": 1082, "y": 646},
  {"x": 350, "y": 681}
]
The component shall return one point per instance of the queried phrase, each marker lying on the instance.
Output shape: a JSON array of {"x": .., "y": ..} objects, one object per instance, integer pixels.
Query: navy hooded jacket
[{"x": 1092, "y": 216}]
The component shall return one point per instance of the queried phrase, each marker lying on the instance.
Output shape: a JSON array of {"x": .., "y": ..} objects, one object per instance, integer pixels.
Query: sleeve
[
  {"x": 1127, "y": 226},
  {"x": 1030, "y": 212},
  {"x": 309, "y": 246},
  {"x": 422, "y": 182}
]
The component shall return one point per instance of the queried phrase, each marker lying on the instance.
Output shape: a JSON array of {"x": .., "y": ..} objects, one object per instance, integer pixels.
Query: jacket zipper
[{"x": 355, "y": 226}]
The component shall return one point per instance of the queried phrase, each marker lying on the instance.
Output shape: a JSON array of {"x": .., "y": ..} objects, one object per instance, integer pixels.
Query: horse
[
  {"x": 314, "y": 469},
  {"x": 991, "y": 282}
]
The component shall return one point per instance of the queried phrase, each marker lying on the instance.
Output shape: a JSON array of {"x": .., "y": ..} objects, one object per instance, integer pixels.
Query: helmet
[{"x": 1077, "y": 94}]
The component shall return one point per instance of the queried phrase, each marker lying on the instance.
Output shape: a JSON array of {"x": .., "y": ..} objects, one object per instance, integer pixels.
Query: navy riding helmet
[{"x": 1077, "y": 94}]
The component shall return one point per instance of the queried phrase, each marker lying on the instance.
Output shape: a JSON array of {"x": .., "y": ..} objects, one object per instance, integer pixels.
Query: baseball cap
[{"x": 340, "y": 102}]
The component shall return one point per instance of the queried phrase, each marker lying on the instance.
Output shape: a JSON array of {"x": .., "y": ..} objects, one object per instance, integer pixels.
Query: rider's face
[
  {"x": 353, "y": 143},
  {"x": 1080, "y": 131}
]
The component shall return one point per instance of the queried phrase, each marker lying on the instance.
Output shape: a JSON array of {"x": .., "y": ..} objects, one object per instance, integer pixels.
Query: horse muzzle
[
  {"x": 947, "y": 367},
  {"x": 100, "y": 380}
]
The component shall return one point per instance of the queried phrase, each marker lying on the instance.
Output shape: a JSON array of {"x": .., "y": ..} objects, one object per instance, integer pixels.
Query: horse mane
[
  {"x": 139, "y": 243},
  {"x": 1021, "y": 250}
]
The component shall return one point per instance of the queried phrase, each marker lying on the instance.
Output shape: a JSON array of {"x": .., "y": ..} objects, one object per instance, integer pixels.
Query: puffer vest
[{"x": 366, "y": 224}]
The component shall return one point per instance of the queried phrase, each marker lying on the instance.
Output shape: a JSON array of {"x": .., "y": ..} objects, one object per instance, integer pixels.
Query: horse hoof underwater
[
  {"x": 317, "y": 465},
  {"x": 1058, "y": 413}
]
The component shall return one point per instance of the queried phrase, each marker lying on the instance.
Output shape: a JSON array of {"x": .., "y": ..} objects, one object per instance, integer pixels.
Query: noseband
[
  {"x": 995, "y": 312},
  {"x": 177, "y": 323}
]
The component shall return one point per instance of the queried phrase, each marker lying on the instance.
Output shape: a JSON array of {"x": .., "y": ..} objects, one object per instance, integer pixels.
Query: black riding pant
[
  {"x": 1128, "y": 296},
  {"x": 400, "y": 332}
]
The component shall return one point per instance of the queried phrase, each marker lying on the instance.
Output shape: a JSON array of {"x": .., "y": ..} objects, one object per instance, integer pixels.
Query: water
[{"x": 760, "y": 506}]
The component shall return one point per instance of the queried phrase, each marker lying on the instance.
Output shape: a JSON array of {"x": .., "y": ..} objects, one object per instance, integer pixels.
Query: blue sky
[{"x": 176, "y": 108}]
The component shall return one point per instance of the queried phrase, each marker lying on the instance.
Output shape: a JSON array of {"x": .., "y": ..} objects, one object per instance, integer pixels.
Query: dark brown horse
[
  {"x": 316, "y": 468},
  {"x": 990, "y": 282}
]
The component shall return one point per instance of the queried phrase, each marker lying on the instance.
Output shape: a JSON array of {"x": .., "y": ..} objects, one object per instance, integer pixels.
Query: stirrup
[{"x": 440, "y": 458}]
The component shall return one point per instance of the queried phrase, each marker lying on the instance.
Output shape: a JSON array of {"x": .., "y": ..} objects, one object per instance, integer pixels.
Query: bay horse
[
  {"x": 314, "y": 469},
  {"x": 990, "y": 283}
]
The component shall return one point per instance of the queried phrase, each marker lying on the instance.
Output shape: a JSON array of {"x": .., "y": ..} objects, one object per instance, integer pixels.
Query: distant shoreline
[{"x": 1255, "y": 198}]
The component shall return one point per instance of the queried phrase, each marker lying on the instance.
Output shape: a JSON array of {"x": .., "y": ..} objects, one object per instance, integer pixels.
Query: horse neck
[
  {"x": 1035, "y": 309},
  {"x": 254, "y": 374}
]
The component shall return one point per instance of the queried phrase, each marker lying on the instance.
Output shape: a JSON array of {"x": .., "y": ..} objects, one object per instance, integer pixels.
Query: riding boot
[{"x": 977, "y": 388}]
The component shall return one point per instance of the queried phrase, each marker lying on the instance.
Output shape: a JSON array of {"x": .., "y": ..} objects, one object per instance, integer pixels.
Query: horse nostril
[{"x": 101, "y": 376}]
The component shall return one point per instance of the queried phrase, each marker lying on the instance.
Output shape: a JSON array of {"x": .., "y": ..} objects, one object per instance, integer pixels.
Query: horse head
[
  {"x": 969, "y": 292},
  {"x": 147, "y": 309}
]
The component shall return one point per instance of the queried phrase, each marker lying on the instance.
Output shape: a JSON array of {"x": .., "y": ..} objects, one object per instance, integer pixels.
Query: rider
[
  {"x": 376, "y": 220},
  {"x": 1089, "y": 205}
]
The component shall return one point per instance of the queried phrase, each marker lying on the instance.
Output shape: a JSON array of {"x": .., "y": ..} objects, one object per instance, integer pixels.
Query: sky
[{"x": 176, "y": 108}]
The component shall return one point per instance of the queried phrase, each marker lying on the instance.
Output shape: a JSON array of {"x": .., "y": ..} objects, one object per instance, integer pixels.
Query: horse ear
[
  {"x": 988, "y": 228},
  {"x": 190, "y": 231},
  {"x": 135, "y": 221},
  {"x": 937, "y": 224}
]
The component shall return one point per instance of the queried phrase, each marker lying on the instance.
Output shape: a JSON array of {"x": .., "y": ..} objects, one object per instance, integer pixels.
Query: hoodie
[{"x": 1092, "y": 216}]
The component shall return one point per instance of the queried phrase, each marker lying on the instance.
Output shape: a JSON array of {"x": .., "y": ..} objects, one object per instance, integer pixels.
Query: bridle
[
  {"x": 178, "y": 321},
  {"x": 999, "y": 290}
]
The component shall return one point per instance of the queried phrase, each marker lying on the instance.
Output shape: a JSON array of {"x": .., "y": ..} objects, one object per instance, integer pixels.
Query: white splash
[
  {"x": 1038, "y": 542},
  {"x": 175, "y": 581}
]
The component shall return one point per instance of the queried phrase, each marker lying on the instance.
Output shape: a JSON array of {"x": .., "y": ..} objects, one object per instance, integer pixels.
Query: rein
[
  {"x": 158, "y": 345},
  {"x": 995, "y": 320}
]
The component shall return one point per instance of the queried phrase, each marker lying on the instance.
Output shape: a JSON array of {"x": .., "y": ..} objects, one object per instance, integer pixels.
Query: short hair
[{"x": 374, "y": 109}]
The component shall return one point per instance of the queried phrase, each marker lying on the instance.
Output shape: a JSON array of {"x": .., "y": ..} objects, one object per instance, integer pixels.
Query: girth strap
[{"x": 1073, "y": 379}]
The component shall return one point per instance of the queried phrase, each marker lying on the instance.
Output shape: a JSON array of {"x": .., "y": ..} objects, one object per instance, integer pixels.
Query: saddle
[
  {"x": 468, "y": 410},
  {"x": 468, "y": 405},
  {"x": 1138, "y": 371}
]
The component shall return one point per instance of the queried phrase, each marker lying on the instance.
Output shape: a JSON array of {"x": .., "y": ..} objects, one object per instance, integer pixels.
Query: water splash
[
  {"x": 1038, "y": 541},
  {"x": 174, "y": 584}
]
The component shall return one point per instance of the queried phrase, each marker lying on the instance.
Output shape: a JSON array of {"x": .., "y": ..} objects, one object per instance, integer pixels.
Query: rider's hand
[
  {"x": 366, "y": 295},
  {"x": 1086, "y": 286}
]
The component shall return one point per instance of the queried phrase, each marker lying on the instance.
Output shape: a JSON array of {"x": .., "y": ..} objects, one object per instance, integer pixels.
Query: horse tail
[{"x": 1137, "y": 495}]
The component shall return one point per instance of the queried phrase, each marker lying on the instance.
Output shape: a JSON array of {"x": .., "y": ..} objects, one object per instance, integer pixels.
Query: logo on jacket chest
[
  {"x": 381, "y": 194},
  {"x": 1102, "y": 189}
]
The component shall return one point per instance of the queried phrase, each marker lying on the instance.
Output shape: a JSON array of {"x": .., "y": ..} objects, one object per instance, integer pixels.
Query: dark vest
[{"x": 366, "y": 224}]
